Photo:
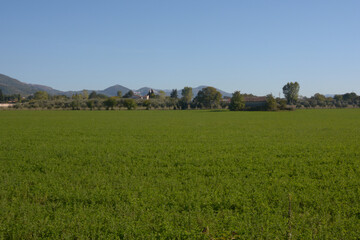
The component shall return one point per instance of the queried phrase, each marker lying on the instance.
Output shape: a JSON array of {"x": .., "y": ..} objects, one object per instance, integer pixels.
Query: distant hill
[
  {"x": 10, "y": 86},
  {"x": 112, "y": 91},
  {"x": 47, "y": 89}
]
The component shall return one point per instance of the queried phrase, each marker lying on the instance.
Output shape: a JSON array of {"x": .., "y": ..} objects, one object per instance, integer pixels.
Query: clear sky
[{"x": 252, "y": 46}]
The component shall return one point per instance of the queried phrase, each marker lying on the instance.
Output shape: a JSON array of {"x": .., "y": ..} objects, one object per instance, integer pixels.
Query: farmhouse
[
  {"x": 253, "y": 101},
  {"x": 146, "y": 97},
  {"x": 225, "y": 100}
]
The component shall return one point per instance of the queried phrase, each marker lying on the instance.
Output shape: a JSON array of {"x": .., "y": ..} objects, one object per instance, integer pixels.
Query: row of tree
[
  {"x": 207, "y": 98},
  {"x": 9, "y": 98}
]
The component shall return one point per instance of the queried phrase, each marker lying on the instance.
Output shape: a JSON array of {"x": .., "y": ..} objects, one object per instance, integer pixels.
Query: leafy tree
[
  {"x": 119, "y": 93},
  {"x": 130, "y": 104},
  {"x": 85, "y": 94},
  {"x": 90, "y": 104},
  {"x": 171, "y": 103},
  {"x": 208, "y": 97},
  {"x": 319, "y": 97},
  {"x": 349, "y": 97},
  {"x": 60, "y": 97},
  {"x": 101, "y": 96},
  {"x": 329, "y": 101},
  {"x": 1, "y": 96},
  {"x": 187, "y": 95},
  {"x": 75, "y": 105},
  {"x": 173, "y": 100},
  {"x": 338, "y": 97},
  {"x": 110, "y": 103},
  {"x": 271, "y": 104},
  {"x": 129, "y": 94},
  {"x": 151, "y": 94},
  {"x": 174, "y": 94},
  {"x": 77, "y": 96},
  {"x": 224, "y": 104},
  {"x": 306, "y": 104},
  {"x": 92, "y": 95},
  {"x": 291, "y": 92},
  {"x": 147, "y": 104},
  {"x": 282, "y": 103},
  {"x": 41, "y": 95},
  {"x": 237, "y": 102},
  {"x": 162, "y": 95}
]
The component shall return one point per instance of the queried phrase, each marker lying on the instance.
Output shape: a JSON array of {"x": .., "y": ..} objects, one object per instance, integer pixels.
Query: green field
[{"x": 172, "y": 174}]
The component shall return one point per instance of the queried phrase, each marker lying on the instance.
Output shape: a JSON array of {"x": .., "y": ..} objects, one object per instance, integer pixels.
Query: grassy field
[{"x": 173, "y": 174}]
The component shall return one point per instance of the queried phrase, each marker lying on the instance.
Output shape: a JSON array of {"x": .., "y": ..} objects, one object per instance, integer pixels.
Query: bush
[
  {"x": 129, "y": 103},
  {"x": 271, "y": 104},
  {"x": 110, "y": 103},
  {"x": 237, "y": 102}
]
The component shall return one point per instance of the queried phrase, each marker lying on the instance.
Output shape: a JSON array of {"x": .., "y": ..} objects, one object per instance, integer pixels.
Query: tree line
[{"x": 206, "y": 98}]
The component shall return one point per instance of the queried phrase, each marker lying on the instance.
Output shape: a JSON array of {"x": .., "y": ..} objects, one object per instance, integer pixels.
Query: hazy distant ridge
[{"x": 10, "y": 86}]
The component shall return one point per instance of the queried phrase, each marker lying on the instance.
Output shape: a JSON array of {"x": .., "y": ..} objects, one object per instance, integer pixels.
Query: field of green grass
[{"x": 180, "y": 174}]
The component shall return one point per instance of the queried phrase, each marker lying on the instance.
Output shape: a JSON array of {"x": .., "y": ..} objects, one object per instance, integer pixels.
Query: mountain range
[{"x": 11, "y": 86}]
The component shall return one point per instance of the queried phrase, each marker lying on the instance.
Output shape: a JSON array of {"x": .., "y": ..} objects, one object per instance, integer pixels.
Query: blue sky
[{"x": 252, "y": 46}]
